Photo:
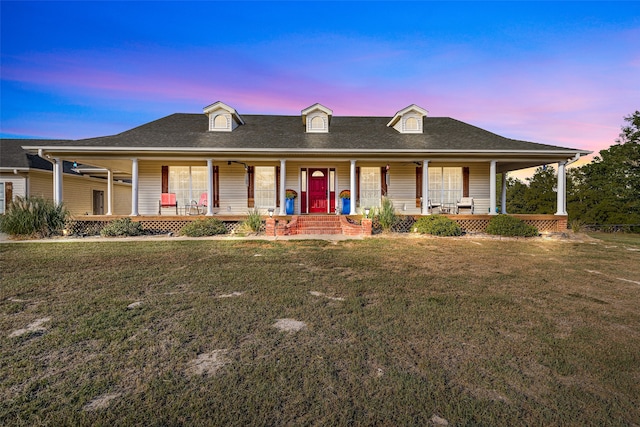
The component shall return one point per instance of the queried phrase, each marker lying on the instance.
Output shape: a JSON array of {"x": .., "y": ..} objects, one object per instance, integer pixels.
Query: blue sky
[{"x": 564, "y": 73}]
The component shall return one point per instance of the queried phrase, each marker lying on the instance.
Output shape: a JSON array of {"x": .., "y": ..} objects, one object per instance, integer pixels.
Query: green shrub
[
  {"x": 386, "y": 214},
  {"x": 122, "y": 227},
  {"x": 437, "y": 225},
  {"x": 33, "y": 216},
  {"x": 506, "y": 225},
  {"x": 576, "y": 225},
  {"x": 253, "y": 221},
  {"x": 204, "y": 227}
]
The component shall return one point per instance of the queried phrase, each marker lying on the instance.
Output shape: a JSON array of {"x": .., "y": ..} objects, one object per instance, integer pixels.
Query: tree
[
  {"x": 608, "y": 189},
  {"x": 541, "y": 198}
]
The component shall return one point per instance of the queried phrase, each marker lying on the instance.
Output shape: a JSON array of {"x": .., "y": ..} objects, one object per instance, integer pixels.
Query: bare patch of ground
[
  {"x": 33, "y": 327},
  {"x": 208, "y": 363},
  {"x": 232, "y": 294},
  {"x": 289, "y": 325},
  {"x": 438, "y": 421},
  {"x": 101, "y": 402},
  {"x": 320, "y": 294}
]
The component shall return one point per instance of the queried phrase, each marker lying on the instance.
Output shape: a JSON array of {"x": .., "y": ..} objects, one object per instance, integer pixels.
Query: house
[
  {"x": 25, "y": 174},
  {"x": 232, "y": 162}
]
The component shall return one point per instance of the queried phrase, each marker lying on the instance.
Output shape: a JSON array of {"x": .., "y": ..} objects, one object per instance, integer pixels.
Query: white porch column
[
  {"x": 109, "y": 192},
  {"x": 492, "y": 189},
  {"x": 283, "y": 187},
  {"x": 562, "y": 189},
  {"x": 134, "y": 187},
  {"x": 209, "y": 187},
  {"x": 503, "y": 201},
  {"x": 57, "y": 181},
  {"x": 352, "y": 188},
  {"x": 425, "y": 187}
]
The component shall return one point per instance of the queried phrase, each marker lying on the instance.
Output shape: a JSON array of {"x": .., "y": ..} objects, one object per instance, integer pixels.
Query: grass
[{"x": 478, "y": 332}]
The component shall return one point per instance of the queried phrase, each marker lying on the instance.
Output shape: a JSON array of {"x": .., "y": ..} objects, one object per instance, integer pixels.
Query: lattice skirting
[
  {"x": 470, "y": 224},
  {"x": 93, "y": 228}
]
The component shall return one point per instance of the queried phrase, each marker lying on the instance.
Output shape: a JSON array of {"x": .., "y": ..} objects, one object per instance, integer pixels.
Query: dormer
[
  {"x": 409, "y": 120},
  {"x": 222, "y": 118},
  {"x": 316, "y": 118}
]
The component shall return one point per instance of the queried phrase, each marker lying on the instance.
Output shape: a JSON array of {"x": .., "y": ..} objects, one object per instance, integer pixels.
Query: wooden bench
[{"x": 167, "y": 200}]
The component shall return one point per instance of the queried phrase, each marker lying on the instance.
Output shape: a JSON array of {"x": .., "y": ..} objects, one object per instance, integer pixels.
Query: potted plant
[
  {"x": 345, "y": 195},
  {"x": 290, "y": 197}
]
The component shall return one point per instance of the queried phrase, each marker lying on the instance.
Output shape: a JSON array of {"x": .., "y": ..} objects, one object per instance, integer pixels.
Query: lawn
[{"x": 383, "y": 331}]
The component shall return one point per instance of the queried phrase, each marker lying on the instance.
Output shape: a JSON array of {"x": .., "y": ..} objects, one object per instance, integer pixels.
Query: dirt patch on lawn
[
  {"x": 32, "y": 328},
  {"x": 208, "y": 363},
  {"x": 320, "y": 294},
  {"x": 101, "y": 402},
  {"x": 289, "y": 325}
]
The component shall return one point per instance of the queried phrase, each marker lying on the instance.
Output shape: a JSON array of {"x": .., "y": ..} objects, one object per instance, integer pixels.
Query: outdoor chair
[
  {"x": 167, "y": 200},
  {"x": 200, "y": 206},
  {"x": 432, "y": 205},
  {"x": 203, "y": 203},
  {"x": 465, "y": 203}
]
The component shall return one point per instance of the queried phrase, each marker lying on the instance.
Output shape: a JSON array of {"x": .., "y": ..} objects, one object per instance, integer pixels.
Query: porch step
[{"x": 325, "y": 224}]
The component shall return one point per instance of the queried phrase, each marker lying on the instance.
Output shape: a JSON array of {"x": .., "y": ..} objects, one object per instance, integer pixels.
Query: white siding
[
  {"x": 479, "y": 187},
  {"x": 19, "y": 184},
  {"x": 233, "y": 189}
]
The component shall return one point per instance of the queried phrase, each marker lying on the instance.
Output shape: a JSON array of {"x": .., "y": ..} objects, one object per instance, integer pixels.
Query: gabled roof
[
  {"x": 412, "y": 107},
  {"x": 313, "y": 108},
  {"x": 221, "y": 105},
  {"x": 284, "y": 133}
]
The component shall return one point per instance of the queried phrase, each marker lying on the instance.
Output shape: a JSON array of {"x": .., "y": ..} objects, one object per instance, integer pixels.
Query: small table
[{"x": 446, "y": 208}]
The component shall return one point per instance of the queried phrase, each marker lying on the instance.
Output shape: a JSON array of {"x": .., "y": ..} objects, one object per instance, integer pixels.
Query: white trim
[
  {"x": 492, "y": 188},
  {"x": 134, "y": 187}
]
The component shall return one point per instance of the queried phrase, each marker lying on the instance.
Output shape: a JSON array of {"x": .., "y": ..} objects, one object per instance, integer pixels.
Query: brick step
[
  {"x": 326, "y": 224},
  {"x": 319, "y": 230}
]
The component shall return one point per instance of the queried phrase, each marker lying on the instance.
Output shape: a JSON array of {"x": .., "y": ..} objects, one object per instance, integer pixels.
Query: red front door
[{"x": 318, "y": 197}]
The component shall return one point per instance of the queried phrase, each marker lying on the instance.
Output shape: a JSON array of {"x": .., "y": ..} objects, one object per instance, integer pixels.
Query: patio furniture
[
  {"x": 465, "y": 203},
  {"x": 203, "y": 203},
  {"x": 432, "y": 205},
  {"x": 167, "y": 200}
]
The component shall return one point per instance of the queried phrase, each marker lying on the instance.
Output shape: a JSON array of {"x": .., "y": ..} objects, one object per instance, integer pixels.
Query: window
[
  {"x": 220, "y": 122},
  {"x": 445, "y": 185},
  {"x": 188, "y": 182},
  {"x": 2, "y": 201},
  {"x": 411, "y": 124},
  {"x": 317, "y": 123},
  {"x": 370, "y": 187},
  {"x": 265, "y": 186}
]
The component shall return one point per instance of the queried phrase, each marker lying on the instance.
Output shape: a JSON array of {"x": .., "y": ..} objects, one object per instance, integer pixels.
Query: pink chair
[
  {"x": 167, "y": 200},
  {"x": 203, "y": 203}
]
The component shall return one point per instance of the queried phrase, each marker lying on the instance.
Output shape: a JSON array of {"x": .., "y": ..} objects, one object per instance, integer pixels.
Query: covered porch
[{"x": 231, "y": 187}]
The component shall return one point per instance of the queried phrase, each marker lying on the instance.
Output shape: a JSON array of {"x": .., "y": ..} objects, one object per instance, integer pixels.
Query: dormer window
[
  {"x": 222, "y": 118},
  {"x": 221, "y": 121},
  {"x": 411, "y": 124},
  {"x": 409, "y": 120},
  {"x": 317, "y": 124},
  {"x": 316, "y": 118}
]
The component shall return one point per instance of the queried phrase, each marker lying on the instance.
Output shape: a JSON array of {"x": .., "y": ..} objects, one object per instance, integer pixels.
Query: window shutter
[
  {"x": 277, "y": 186},
  {"x": 216, "y": 187},
  {"x": 383, "y": 181},
  {"x": 8, "y": 193},
  {"x": 357, "y": 199},
  {"x": 165, "y": 179},
  {"x": 465, "y": 182},
  {"x": 251, "y": 202},
  {"x": 418, "y": 186}
]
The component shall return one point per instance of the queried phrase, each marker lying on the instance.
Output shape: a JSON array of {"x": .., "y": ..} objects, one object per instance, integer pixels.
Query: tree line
[{"x": 604, "y": 192}]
